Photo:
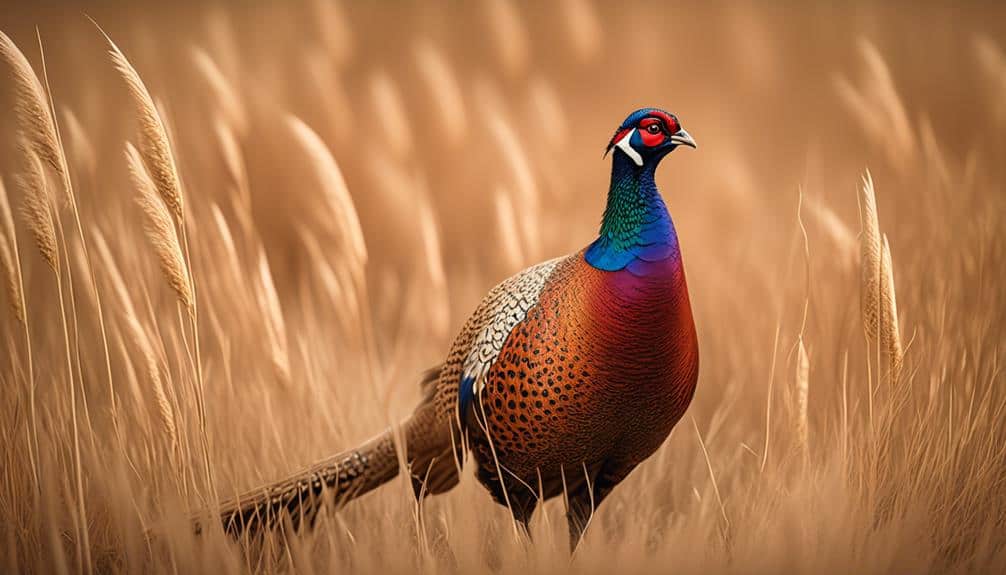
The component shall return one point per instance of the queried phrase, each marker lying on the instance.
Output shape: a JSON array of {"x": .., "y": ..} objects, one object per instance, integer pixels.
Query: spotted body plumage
[{"x": 565, "y": 378}]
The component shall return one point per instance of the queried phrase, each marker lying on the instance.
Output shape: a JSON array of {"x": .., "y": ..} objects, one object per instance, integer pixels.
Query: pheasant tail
[{"x": 344, "y": 477}]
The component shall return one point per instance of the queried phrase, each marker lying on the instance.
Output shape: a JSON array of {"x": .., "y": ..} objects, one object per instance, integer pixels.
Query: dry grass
[
  {"x": 357, "y": 175},
  {"x": 160, "y": 229}
]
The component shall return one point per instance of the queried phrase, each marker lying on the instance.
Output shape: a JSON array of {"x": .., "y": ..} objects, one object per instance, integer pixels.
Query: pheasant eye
[{"x": 653, "y": 128}]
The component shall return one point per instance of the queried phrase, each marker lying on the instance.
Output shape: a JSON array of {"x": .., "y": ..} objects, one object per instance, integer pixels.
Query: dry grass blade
[
  {"x": 802, "y": 393},
  {"x": 390, "y": 113},
  {"x": 31, "y": 106},
  {"x": 136, "y": 332},
  {"x": 431, "y": 244},
  {"x": 274, "y": 324},
  {"x": 334, "y": 186},
  {"x": 885, "y": 96},
  {"x": 509, "y": 35},
  {"x": 8, "y": 261},
  {"x": 890, "y": 330},
  {"x": 446, "y": 92},
  {"x": 154, "y": 144},
  {"x": 549, "y": 116},
  {"x": 227, "y": 99},
  {"x": 583, "y": 27},
  {"x": 160, "y": 229},
  {"x": 878, "y": 107},
  {"x": 81, "y": 149},
  {"x": 38, "y": 208},
  {"x": 870, "y": 256},
  {"x": 231, "y": 151},
  {"x": 164, "y": 408},
  {"x": 506, "y": 223},
  {"x": 840, "y": 234},
  {"x": 11, "y": 286},
  {"x": 524, "y": 183}
]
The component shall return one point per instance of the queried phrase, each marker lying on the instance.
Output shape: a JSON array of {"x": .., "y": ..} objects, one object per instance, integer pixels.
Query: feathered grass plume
[
  {"x": 877, "y": 295},
  {"x": 841, "y": 235},
  {"x": 524, "y": 183},
  {"x": 81, "y": 149},
  {"x": 9, "y": 264},
  {"x": 34, "y": 117},
  {"x": 334, "y": 186},
  {"x": 879, "y": 108},
  {"x": 140, "y": 337},
  {"x": 438, "y": 306},
  {"x": 154, "y": 145},
  {"x": 160, "y": 229},
  {"x": 890, "y": 330},
  {"x": 802, "y": 382},
  {"x": 870, "y": 259},
  {"x": 38, "y": 208},
  {"x": 583, "y": 27},
  {"x": 390, "y": 114},
  {"x": 231, "y": 106},
  {"x": 506, "y": 223},
  {"x": 275, "y": 327},
  {"x": 510, "y": 36},
  {"x": 445, "y": 91}
]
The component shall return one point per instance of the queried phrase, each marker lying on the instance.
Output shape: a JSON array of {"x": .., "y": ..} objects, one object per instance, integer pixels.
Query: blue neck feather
[{"x": 636, "y": 227}]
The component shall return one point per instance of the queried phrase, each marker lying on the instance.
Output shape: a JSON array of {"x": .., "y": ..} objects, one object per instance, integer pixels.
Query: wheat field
[{"x": 234, "y": 234}]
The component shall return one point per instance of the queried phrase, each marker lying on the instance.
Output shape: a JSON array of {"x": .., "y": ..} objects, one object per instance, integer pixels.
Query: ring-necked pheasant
[{"x": 566, "y": 377}]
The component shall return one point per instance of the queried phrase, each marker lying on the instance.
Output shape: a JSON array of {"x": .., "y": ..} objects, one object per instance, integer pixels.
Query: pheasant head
[
  {"x": 647, "y": 135},
  {"x": 636, "y": 229}
]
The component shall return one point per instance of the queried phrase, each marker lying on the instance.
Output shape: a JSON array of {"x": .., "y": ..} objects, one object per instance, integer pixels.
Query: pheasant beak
[{"x": 683, "y": 138}]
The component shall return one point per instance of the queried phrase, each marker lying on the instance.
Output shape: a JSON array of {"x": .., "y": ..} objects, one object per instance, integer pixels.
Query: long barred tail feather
[
  {"x": 344, "y": 477},
  {"x": 298, "y": 498}
]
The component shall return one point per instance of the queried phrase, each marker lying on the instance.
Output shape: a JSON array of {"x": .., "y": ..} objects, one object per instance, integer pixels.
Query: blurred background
[{"x": 469, "y": 137}]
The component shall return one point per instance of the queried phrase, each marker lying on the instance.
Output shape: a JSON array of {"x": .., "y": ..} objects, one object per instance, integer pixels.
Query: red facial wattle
[
  {"x": 657, "y": 130},
  {"x": 618, "y": 137},
  {"x": 652, "y": 138}
]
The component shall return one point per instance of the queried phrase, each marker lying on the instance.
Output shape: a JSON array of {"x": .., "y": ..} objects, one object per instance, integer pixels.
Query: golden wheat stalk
[
  {"x": 510, "y": 36},
  {"x": 8, "y": 257},
  {"x": 390, "y": 114},
  {"x": 890, "y": 330},
  {"x": 583, "y": 28},
  {"x": 885, "y": 98},
  {"x": 549, "y": 116},
  {"x": 337, "y": 196},
  {"x": 506, "y": 224},
  {"x": 230, "y": 149},
  {"x": 38, "y": 208},
  {"x": 80, "y": 147},
  {"x": 438, "y": 305},
  {"x": 41, "y": 219},
  {"x": 15, "y": 288},
  {"x": 870, "y": 256},
  {"x": 802, "y": 391},
  {"x": 31, "y": 107},
  {"x": 136, "y": 332},
  {"x": 840, "y": 233},
  {"x": 161, "y": 171},
  {"x": 154, "y": 145},
  {"x": 274, "y": 324},
  {"x": 445, "y": 91},
  {"x": 11, "y": 286},
  {"x": 230, "y": 105},
  {"x": 431, "y": 243},
  {"x": 165, "y": 410},
  {"x": 160, "y": 229}
]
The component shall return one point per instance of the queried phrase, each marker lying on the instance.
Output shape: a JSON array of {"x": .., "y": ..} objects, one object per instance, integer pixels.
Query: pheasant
[{"x": 565, "y": 378}]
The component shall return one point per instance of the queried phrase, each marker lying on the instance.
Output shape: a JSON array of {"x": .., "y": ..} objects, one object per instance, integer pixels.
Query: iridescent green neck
[{"x": 636, "y": 224}]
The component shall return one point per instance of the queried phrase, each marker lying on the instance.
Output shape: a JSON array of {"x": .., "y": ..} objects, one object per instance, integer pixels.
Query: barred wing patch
[{"x": 504, "y": 307}]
